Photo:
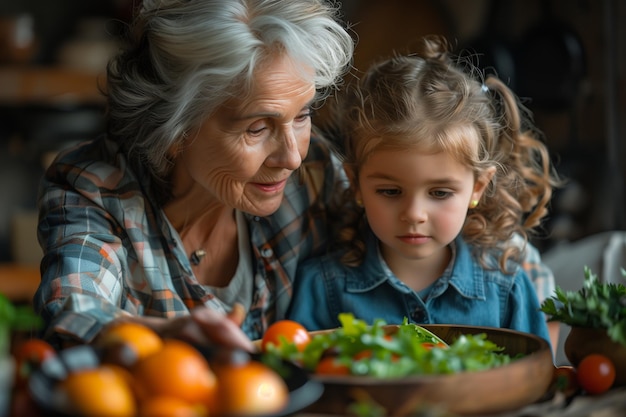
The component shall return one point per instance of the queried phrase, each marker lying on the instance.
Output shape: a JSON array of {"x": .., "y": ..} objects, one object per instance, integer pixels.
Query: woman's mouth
[{"x": 270, "y": 187}]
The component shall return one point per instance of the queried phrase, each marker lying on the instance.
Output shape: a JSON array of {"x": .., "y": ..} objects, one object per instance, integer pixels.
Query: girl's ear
[
  {"x": 481, "y": 185},
  {"x": 351, "y": 174},
  {"x": 349, "y": 170}
]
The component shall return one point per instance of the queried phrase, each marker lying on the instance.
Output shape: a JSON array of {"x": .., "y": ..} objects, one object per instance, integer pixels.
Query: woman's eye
[
  {"x": 303, "y": 117},
  {"x": 257, "y": 128}
]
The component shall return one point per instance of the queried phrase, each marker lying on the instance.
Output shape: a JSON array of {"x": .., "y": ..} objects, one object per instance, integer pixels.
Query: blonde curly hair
[{"x": 430, "y": 102}]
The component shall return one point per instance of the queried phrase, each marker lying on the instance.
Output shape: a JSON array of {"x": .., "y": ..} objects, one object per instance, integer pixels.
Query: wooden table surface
[{"x": 609, "y": 404}]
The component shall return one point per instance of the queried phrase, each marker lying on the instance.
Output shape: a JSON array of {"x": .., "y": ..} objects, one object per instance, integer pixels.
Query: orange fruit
[
  {"x": 249, "y": 388},
  {"x": 176, "y": 370},
  {"x": 169, "y": 407},
  {"x": 142, "y": 339},
  {"x": 286, "y": 331},
  {"x": 103, "y": 391}
]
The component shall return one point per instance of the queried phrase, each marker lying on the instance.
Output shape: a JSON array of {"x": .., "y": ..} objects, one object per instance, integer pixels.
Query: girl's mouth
[{"x": 414, "y": 239}]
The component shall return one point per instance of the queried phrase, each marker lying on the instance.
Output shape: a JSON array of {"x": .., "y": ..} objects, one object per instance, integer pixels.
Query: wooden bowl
[{"x": 519, "y": 383}]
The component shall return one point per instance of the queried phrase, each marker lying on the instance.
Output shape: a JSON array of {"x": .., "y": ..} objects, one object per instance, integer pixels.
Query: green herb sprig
[
  {"x": 15, "y": 318},
  {"x": 596, "y": 305}
]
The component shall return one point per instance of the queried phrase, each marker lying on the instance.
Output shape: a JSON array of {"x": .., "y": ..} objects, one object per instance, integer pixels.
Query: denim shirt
[{"x": 466, "y": 294}]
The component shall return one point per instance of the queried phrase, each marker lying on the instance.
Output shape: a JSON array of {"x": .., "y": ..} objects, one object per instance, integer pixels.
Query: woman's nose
[{"x": 287, "y": 153}]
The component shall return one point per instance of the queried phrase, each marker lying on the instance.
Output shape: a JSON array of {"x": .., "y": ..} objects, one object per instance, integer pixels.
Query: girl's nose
[{"x": 414, "y": 212}]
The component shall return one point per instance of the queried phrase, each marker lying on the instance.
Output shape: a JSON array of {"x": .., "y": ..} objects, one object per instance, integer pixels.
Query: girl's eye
[
  {"x": 389, "y": 192},
  {"x": 441, "y": 194}
]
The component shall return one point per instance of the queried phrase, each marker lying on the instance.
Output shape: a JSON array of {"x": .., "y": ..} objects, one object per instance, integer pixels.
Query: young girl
[{"x": 449, "y": 177}]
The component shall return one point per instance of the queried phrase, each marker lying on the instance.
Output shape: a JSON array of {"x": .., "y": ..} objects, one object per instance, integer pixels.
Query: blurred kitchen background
[{"x": 566, "y": 58}]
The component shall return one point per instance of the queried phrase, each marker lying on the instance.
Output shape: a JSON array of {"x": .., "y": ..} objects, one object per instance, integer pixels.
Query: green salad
[{"x": 358, "y": 348}]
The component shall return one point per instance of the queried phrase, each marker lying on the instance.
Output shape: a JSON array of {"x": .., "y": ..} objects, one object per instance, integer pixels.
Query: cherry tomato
[
  {"x": 29, "y": 354},
  {"x": 330, "y": 366},
  {"x": 565, "y": 380},
  {"x": 429, "y": 346},
  {"x": 367, "y": 353},
  {"x": 286, "y": 331},
  {"x": 596, "y": 373},
  {"x": 364, "y": 354}
]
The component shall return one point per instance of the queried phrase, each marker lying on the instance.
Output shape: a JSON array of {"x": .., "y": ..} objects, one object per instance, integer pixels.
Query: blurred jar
[
  {"x": 18, "y": 40},
  {"x": 91, "y": 48}
]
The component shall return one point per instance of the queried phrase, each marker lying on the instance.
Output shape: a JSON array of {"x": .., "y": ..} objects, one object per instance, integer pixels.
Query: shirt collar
[
  {"x": 372, "y": 272},
  {"x": 465, "y": 275},
  {"x": 462, "y": 274}
]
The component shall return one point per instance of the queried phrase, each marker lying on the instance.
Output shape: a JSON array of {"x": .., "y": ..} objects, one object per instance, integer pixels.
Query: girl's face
[
  {"x": 415, "y": 202},
  {"x": 244, "y": 153}
]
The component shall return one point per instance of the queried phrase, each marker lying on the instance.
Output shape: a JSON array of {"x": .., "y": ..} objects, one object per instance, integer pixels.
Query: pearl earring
[{"x": 473, "y": 204}]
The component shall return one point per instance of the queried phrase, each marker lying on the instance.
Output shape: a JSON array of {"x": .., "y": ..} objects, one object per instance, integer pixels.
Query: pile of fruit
[{"x": 139, "y": 374}]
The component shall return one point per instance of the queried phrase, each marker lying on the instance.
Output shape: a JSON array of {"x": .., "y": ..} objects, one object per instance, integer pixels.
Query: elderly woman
[{"x": 207, "y": 189}]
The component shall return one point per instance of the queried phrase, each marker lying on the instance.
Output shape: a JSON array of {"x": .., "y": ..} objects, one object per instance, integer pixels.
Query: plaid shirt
[{"x": 109, "y": 250}]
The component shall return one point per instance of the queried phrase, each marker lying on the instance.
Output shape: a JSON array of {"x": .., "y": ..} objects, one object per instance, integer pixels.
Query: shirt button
[
  {"x": 267, "y": 253},
  {"x": 257, "y": 218},
  {"x": 418, "y": 315}
]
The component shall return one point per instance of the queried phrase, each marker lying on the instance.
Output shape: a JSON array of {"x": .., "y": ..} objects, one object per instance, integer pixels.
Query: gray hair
[{"x": 187, "y": 58}]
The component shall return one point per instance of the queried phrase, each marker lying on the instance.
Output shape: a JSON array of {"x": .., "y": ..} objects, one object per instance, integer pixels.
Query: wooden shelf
[
  {"x": 19, "y": 282},
  {"x": 49, "y": 85}
]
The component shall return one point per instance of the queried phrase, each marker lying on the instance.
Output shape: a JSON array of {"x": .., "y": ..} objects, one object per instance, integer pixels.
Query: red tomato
[
  {"x": 286, "y": 330},
  {"x": 329, "y": 366},
  {"x": 364, "y": 354},
  {"x": 565, "y": 380},
  {"x": 596, "y": 373},
  {"x": 367, "y": 353},
  {"x": 29, "y": 355},
  {"x": 429, "y": 345}
]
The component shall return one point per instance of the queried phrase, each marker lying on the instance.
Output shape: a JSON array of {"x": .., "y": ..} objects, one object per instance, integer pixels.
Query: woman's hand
[
  {"x": 203, "y": 326},
  {"x": 223, "y": 332}
]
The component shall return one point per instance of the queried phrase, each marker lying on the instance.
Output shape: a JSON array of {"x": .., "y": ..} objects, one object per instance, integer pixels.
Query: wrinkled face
[
  {"x": 415, "y": 202},
  {"x": 244, "y": 153}
]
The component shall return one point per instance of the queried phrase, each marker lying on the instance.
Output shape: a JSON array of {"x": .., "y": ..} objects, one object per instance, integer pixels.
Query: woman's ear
[
  {"x": 481, "y": 185},
  {"x": 177, "y": 147}
]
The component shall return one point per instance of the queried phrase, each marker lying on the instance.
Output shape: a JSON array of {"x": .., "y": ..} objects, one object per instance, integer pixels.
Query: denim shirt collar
[{"x": 463, "y": 274}]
